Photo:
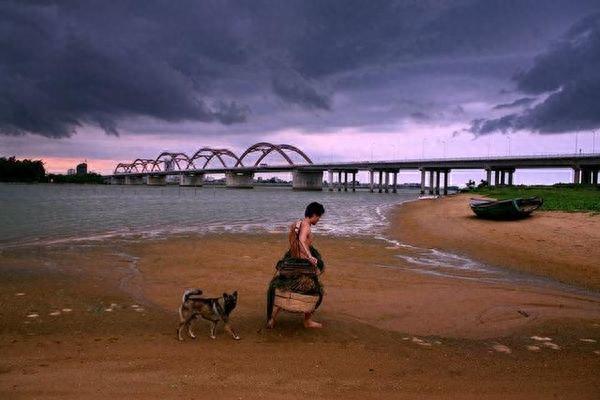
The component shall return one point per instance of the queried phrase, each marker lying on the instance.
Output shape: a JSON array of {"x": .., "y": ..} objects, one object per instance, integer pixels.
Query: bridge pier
[
  {"x": 330, "y": 180},
  {"x": 239, "y": 180},
  {"x": 585, "y": 176},
  {"x": 502, "y": 176},
  {"x": 380, "y": 181},
  {"x": 395, "y": 182},
  {"x": 371, "y": 173},
  {"x": 307, "y": 180},
  {"x": 589, "y": 175},
  {"x": 345, "y": 181},
  {"x": 423, "y": 173},
  {"x": 134, "y": 180},
  {"x": 387, "y": 182},
  {"x": 156, "y": 180},
  {"x": 117, "y": 180},
  {"x": 576, "y": 175},
  {"x": 339, "y": 181},
  {"x": 354, "y": 181},
  {"x": 431, "y": 182},
  {"x": 191, "y": 180}
]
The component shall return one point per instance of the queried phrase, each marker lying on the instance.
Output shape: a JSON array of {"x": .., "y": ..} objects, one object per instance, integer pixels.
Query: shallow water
[{"x": 47, "y": 213}]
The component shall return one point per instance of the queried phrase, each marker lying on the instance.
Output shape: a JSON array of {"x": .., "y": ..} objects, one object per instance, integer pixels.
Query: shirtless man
[{"x": 300, "y": 238}]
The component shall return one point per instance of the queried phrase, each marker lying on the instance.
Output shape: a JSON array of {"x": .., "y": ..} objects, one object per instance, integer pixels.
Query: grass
[{"x": 570, "y": 198}]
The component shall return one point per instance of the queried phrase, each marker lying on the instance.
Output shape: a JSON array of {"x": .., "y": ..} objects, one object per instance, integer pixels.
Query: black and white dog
[{"x": 194, "y": 305}]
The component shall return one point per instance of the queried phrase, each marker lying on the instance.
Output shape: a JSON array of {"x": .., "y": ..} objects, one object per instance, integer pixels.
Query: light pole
[
  {"x": 508, "y": 138},
  {"x": 576, "y": 140}
]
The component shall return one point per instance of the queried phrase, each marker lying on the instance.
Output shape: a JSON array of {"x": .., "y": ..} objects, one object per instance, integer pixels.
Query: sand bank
[
  {"x": 389, "y": 332},
  {"x": 563, "y": 246}
]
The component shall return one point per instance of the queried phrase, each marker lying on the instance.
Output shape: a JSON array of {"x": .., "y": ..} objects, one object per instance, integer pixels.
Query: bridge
[{"x": 383, "y": 175}]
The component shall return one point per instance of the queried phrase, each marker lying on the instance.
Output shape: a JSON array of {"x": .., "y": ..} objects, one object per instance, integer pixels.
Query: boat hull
[{"x": 511, "y": 209}]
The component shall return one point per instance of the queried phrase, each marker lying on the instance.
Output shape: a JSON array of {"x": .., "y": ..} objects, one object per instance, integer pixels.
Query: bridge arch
[
  {"x": 267, "y": 148},
  {"x": 141, "y": 162},
  {"x": 208, "y": 153},
  {"x": 121, "y": 168},
  {"x": 168, "y": 157}
]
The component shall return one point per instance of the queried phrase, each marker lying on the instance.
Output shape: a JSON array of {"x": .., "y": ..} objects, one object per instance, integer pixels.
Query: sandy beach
[
  {"x": 563, "y": 246},
  {"x": 97, "y": 320}
]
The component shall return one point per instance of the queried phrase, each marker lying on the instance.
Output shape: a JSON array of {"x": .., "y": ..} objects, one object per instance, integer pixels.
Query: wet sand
[
  {"x": 559, "y": 245},
  {"x": 97, "y": 321}
]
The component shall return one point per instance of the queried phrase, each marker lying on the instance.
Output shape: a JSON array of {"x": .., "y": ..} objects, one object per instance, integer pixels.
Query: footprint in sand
[
  {"x": 541, "y": 338},
  {"x": 500, "y": 348},
  {"x": 551, "y": 345},
  {"x": 587, "y": 340},
  {"x": 33, "y": 315},
  {"x": 533, "y": 348}
]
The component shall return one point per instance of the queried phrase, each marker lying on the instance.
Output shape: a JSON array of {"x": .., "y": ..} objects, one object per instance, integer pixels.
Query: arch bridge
[{"x": 239, "y": 170}]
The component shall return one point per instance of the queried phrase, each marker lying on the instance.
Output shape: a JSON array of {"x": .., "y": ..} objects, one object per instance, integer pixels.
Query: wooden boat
[{"x": 505, "y": 209}]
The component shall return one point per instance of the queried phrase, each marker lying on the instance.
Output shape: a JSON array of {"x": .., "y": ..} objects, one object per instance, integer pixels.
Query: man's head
[{"x": 314, "y": 211}]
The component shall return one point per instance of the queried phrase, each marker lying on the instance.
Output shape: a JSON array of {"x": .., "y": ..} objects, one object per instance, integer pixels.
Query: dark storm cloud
[
  {"x": 297, "y": 90},
  {"x": 66, "y": 64},
  {"x": 569, "y": 75}
]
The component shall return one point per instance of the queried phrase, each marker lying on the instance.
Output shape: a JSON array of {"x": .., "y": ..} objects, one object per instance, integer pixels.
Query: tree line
[{"x": 13, "y": 170}]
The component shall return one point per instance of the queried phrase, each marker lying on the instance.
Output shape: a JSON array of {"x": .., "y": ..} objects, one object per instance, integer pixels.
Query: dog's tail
[{"x": 190, "y": 292}]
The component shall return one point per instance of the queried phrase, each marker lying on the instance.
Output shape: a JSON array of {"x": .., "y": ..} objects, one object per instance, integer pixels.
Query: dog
[{"x": 194, "y": 305}]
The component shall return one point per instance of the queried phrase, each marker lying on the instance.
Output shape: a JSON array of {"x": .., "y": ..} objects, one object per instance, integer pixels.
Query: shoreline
[{"x": 554, "y": 245}]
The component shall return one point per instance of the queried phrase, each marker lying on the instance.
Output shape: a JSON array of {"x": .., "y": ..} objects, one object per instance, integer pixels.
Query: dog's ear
[
  {"x": 235, "y": 294},
  {"x": 225, "y": 295}
]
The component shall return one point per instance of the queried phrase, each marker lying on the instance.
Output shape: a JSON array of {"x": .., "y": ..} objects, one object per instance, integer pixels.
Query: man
[{"x": 301, "y": 252}]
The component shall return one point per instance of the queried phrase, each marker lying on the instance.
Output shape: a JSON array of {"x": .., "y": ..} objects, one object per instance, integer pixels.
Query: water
[{"x": 50, "y": 213}]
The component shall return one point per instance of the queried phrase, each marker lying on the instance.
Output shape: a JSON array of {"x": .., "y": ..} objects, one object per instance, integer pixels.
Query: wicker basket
[{"x": 295, "y": 302}]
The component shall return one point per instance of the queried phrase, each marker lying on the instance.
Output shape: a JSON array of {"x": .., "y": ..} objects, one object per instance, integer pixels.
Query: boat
[{"x": 505, "y": 209}]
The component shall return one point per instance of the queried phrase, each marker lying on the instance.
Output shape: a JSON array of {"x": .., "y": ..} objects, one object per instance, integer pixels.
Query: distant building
[
  {"x": 71, "y": 171},
  {"x": 82, "y": 169}
]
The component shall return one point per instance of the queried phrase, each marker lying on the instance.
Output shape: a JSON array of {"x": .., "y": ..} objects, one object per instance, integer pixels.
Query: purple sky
[{"x": 342, "y": 80}]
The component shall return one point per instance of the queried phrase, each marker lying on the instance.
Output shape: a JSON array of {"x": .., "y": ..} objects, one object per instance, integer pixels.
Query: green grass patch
[{"x": 572, "y": 198}]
